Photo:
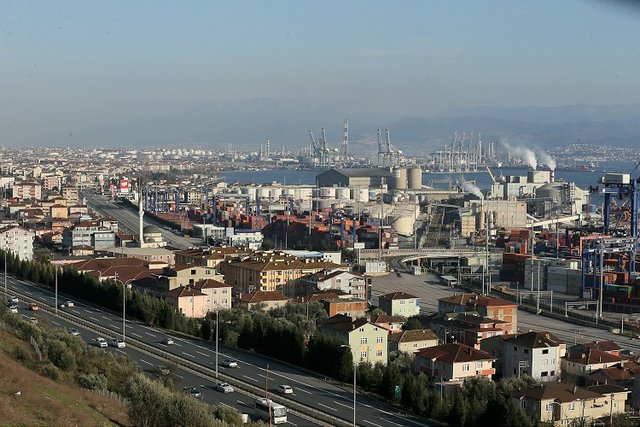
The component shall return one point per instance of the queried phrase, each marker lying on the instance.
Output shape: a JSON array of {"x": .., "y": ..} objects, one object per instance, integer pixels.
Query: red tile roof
[
  {"x": 454, "y": 353},
  {"x": 560, "y": 392},
  {"x": 398, "y": 296},
  {"x": 256, "y": 297},
  {"x": 475, "y": 299},
  {"x": 183, "y": 291},
  {"x": 210, "y": 284},
  {"x": 594, "y": 356}
]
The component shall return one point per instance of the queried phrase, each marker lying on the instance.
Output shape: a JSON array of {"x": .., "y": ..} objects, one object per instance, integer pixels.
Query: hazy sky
[{"x": 70, "y": 64}]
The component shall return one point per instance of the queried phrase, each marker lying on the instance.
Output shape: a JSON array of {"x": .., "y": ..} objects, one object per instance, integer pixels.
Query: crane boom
[{"x": 493, "y": 178}]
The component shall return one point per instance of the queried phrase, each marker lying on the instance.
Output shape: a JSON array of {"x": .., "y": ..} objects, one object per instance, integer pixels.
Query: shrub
[{"x": 92, "y": 381}]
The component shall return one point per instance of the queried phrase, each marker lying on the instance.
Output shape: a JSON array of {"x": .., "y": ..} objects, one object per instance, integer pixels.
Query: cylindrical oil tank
[
  {"x": 322, "y": 204},
  {"x": 275, "y": 193},
  {"x": 360, "y": 194},
  {"x": 250, "y": 191},
  {"x": 338, "y": 204},
  {"x": 327, "y": 192},
  {"x": 400, "y": 178},
  {"x": 343, "y": 193},
  {"x": 415, "y": 178},
  {"x": 263, "y": 192},
  {"x": 303, "y": 193}
]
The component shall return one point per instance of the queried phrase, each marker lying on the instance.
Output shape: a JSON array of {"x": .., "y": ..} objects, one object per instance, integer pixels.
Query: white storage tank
[
  {"x": 415, "y": 179},
  {"x": 343, "y": 193},
  {"x": 327, "y": 193},
  {"x": 400, "y": 179},
  {"x": 402, "y": 224},
  {"x": 263, "y": 192}
]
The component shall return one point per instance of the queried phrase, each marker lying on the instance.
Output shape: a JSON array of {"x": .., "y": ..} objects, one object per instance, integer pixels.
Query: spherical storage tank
[
  {"x": 402, "y": 224},
  {"x": 415, "y": 179},
  {"x": 551, "y": 192}
]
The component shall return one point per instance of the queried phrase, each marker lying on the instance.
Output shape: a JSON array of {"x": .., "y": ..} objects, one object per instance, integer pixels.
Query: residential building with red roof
[
  {"x": 265, "y": 299},
  {"x": 218, "y": 294},
  {"x": 577, "y": 367},
  {"x": 188, "y": 301},
  {"x": 494, "y": 308},
  {"x": 453, "y": 363},
  {"x": 413, "y": 340},
  {"x": 393, "y": 324},
  {"x": 560, "y": 404},
  {"x": 350, "y": 283}
]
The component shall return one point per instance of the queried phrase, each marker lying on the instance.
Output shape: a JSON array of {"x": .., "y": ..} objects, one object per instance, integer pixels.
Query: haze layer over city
[{"x": 320, "y": 213}]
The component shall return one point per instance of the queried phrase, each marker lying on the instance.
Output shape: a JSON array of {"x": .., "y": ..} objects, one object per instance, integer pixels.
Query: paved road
[
  {"x": 429, "y": 290},
  {"x": 310, "y": 390},
  {"x": 128, "y": 220}
]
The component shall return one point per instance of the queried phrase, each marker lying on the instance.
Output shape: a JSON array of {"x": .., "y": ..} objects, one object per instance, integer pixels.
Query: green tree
[
  {"x": 412, "y": 323},
  {"x": 458, "y": 414},
  {"x": 206, "y": 330}
]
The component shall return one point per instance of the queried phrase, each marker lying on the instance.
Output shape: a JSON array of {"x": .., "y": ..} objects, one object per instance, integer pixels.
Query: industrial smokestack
[{"x": 552, "y": 176}]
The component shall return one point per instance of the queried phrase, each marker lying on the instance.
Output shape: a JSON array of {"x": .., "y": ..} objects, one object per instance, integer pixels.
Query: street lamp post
[
  {"x": 124, "y": 305},
  {"x": 5, "y": 270},
  {"x": 217, "y": 311},
  {"x": 354, "y": 384},
  {"x": 55, "y": 271}
]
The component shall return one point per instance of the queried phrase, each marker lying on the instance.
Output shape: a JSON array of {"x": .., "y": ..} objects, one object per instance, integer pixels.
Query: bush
[
  {"x": 51, "y": 371},
  {"x": 92, "y": 381}
]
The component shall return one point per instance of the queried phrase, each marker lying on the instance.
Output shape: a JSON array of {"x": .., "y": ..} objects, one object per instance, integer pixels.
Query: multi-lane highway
[
  {"x": 129, "y": 220},
  {"x": 197, "y": 361}
]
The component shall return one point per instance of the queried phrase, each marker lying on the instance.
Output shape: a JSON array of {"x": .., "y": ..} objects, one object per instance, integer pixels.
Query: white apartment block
[{"x": 18, "y": 241}]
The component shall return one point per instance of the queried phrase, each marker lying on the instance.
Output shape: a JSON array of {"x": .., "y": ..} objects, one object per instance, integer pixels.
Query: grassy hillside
[{"x": 44, "y": 402}]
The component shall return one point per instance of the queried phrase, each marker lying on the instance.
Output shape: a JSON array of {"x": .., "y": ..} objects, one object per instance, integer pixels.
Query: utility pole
[{"x": 601, "y": 277}]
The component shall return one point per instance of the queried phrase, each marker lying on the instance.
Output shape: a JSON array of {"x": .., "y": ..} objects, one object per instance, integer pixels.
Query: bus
[{"x": 278, "y": 412}]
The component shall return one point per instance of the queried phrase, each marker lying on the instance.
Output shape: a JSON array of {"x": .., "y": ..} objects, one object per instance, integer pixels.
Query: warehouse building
[{"x": 361, "y": 177}]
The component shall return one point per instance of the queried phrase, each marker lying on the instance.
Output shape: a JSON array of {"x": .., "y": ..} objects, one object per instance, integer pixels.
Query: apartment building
[
  {"x": 453, "y": 363},
  {"x": 218, "y": 294},
  {"x": 27, "y": 190},
  {"x": 18, "y": 241},
  {"x": 413, "y": 340},
  {"x": 537, "y": 354},
  {"x": 347, "y": 282},
  {"x": 183, "y": 275},
  {"x": 368, "y": 342},
  {"x": 466, "y": 328},
  {"x": 188, "y": 301},
  {"x": 265, "y": 299}
]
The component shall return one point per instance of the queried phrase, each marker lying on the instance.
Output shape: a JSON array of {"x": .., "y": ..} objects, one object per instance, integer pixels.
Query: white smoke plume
[
  {"x": 547, "y": 159},
  {"x": 525, "y": 154},
  {"x": 470, "y": 187}
]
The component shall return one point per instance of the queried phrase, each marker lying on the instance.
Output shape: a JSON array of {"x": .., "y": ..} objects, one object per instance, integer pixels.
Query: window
[
  {"x": 224, "y": 291},
  {"x": 545, "y": 351},
  {"x": 379, "y": 340},
  {"x": 526, "y": 351},
  {"x": 523, "y": 404},
  {"x": 193, "y": 272},
  {"x": 363, "y": 355},
  {"x": 465, "y": 367},
  {"x": 379, "y": 353},
  {"x": 515, "y": 348},
  {"x": 572, "y": 406},
  {"x": 552, "y": 373},
  {"x": 544, "y": 374},
  {"x": 363, "y": 340},
  {"x": 548, "y": 407},
  {"x": 478, "y": 365}
]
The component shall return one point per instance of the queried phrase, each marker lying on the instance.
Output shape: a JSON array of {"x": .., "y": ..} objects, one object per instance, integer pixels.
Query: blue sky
[{"x": 99, "y": 62}]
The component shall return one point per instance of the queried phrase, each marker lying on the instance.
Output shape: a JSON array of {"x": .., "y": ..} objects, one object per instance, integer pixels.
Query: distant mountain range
[{"x": 286, "y": 123}]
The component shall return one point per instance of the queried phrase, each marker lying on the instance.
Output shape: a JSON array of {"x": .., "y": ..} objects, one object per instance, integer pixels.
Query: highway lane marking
[
  {"x": 87, "y": 310},
  {"x": 189, "y": 355},
  {"x": 201, "y": 347},
  {"x": 389, "y": 421},
  {"x": 289, "y": 422},
  {"x": 150, "y": 334},
  {"x": 144, "y": 361},
  {"x": 303, "y": 390},
  {"x": 135, "y": 335},
  {"x": 55, "y": 323},
  {"x": 241, "y": 402},
  {"x": 121, "y": 351},
  {"x": 203, "y": 354},
  {"x": 342, "y": 404},
  {"x": 179, "y": 376},
  {"x": 105, "y": 318},
  {"x": 328, "y": 407},
  {"x": 176, "y": 344},
  {"x": 365, "y": 405},
  {"x": 249, "y": 378},
  {"x": 94, "y": 319},
  {"x": 373, "y": 424},
  {"x": 28, "y": 293}
]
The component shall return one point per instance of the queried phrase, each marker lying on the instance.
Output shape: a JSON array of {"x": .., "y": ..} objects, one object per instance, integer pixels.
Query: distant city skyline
[{"x": 73, "y": 70}]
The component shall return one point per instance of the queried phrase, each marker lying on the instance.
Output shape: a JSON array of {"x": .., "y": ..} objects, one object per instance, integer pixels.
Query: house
[
  {"x": 537, "y": 354},
  {"x": 494, "y": 308},
  {"x": 266, "y": 299},
  {"x": 188, "y": 301},
  {"x": 182, "y": 275},
  {"x": 368, "y": 342},
  {"x": 413, "y": 340},
  {"x": 353, "y": 284},
  {"x": 576, "y": 367},
  {"x": 218, "y": 294},
  {"x": 622, "y": 375},
  {"x": 400, "y": 304},
  {"x": 453, "y": 363},
  {"x": 605, "y": 345},
  {"x": 566, "y": 405},
  {"x": 344, "y": 304},
  {"x": 466, "y": 328},
  {"x": 392, "y": 324}
]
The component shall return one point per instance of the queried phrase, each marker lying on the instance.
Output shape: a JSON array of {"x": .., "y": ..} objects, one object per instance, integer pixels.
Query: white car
[
  {"x": 73, "y": 331},
  {"x": 230, "y": 363},
  {"x": 61, "y": 305},
  {"x": 284, "y": 389},
  {"x": 13, "y": 308},
  {"x": 223, "y": 387},
  {"x": 101, "y": 342},
  {"x": 70, "y": 304},
  {"x": 118, "y": 343},
  {"x": 14, "y": 300},
  {"x": 167, "y": 341}
]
